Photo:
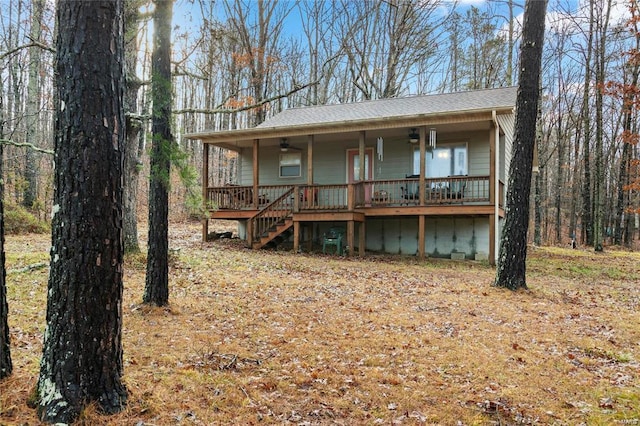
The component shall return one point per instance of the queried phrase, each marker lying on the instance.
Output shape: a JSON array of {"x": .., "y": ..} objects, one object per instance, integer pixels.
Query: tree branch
[
  {"x": 221, "y": 110},
  {"x": 25, "y": 145},
  {"x": 26, "y": 46}
]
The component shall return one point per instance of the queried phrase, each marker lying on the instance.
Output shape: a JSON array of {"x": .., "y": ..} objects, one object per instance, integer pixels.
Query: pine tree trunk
[
  {"x": 156, "y": 290},
  {"x": 82, "y": 355},
  {"x": 134, "y": 127},
  {"x": 511, "y": 269},
  {"x": 6, "y": 366}
]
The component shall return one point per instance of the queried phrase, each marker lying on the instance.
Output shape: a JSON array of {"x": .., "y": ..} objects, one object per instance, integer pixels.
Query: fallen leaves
[{"x": 276, "y": 337}]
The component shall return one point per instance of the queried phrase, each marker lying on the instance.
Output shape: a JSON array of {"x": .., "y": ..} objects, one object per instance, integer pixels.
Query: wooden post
[
  {"x": 205, "y": 190},
  {"x": 351, "y": 238},
  {"x": 351, "y": 196},
  {"x": 296, "y": 236},
  {"x": 361, "y": 239},
  {"x": 256, "y": 172},
  {"x": 361, "y": 155},
  {"x": 249, "y": 233},
  {"x": 421, "y": 235},
  {"x": 423, "y": 162},
  {"x": 310, "y": 160},
  {"x": 296, "y": 199}
]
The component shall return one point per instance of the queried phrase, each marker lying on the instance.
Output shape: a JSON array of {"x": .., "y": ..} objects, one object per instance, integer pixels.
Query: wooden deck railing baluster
[
  {"x": 346, "y": 197},
  {"x": 272, "y": 214}
]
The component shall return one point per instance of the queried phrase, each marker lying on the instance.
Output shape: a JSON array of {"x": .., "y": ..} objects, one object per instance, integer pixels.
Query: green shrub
[{"x": 18, "y": 220}]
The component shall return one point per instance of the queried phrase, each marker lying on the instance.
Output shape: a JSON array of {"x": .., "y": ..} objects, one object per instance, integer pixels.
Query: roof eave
[{"x": 224, "y": 138}]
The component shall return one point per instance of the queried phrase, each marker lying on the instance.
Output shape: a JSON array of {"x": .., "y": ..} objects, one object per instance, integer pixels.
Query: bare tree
[
  {"x": 384, "y": 42},
  {"x": 82, "y": 354},
  {"x": 598, "y": 187},
  {"x": 33, "y": 106},
  {"x": 511, "y": 269}
]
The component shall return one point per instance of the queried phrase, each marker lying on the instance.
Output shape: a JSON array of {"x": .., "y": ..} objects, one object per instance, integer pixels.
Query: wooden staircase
[
  {"x": 273, "y": 221},
  {"x": 273, "y": 233}
]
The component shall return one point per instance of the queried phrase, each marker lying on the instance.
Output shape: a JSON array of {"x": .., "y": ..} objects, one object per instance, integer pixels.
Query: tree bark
[
  {"x": 587, "y": 207},
  {"x": 6, "y": 367},
  {"x": 511, "y": 269},
  {"x": 82, "y": 355},
  {"x": 599, "y": 222},
  {"x": 33, "y": 102},
  {"x": 132, "y": 160},
  {"x": 156, "y": 291}
]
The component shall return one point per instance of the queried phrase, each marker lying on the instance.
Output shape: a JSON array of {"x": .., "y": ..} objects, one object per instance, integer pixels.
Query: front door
[{"x": 353, "y": 169}]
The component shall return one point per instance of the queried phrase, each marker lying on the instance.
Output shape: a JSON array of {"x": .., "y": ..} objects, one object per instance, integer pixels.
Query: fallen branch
[{"x": 29, "y": 268}]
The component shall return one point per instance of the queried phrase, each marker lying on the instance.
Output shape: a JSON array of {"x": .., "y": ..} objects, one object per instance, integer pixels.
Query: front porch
[{"x": 269, "y": 211}]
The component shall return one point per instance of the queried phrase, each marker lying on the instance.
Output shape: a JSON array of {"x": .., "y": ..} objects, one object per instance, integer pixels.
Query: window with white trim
[
  {"x": 445, "y": 160},
  {"x": 290, "y": 164}
]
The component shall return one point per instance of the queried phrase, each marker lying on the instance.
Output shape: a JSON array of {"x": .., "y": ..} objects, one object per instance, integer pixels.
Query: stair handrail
[{"x": 274, "y": 212}]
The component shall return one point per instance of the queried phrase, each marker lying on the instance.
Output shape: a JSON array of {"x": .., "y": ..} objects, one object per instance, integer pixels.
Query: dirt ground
[{"x": 266, "y": 337}]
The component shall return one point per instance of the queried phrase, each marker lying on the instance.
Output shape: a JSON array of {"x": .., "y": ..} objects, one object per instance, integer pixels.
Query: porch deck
[{"x": 467, "y": 194}]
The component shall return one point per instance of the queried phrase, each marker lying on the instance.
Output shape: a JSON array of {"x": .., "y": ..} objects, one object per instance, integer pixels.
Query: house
[{"x": 420, "y": 175}]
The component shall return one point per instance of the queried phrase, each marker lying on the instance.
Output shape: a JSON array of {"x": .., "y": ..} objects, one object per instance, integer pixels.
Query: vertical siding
[{"x": 507, "y": 124}]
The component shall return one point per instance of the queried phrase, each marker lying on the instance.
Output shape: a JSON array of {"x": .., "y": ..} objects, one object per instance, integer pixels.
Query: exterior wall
[
  {"x": 330, "y": 160},
  {"x": 399, "y": 235},
  {"x": 444, "y": 235}
]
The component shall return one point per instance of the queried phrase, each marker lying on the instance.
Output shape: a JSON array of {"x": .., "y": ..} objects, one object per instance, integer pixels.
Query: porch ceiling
[{"x": 325, "y": 133}]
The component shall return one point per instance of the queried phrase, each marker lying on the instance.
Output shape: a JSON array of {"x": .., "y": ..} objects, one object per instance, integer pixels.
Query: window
[
  {"x": 445, "y": 160},
  {"x": 290, "y": 164}
]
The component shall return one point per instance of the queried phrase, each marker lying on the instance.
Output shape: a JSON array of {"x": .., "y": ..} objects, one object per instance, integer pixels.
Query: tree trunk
[
  {"x": 132, "y": 160},
  {"x": 33, "y": 102},
  {"x": 599, "y": 222},
  {"x": 156, "y": 291},
  {"x": 587, "y": 207},
  {"x": 5, "y": 353},
  {"x": 511, "y": 269},
  {"x": 537, "y": 213},
  {"x": 82, "y": 355}
]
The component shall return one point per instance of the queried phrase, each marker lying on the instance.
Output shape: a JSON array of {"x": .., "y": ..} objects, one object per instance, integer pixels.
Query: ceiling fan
[{"x": 285, "y": 147}]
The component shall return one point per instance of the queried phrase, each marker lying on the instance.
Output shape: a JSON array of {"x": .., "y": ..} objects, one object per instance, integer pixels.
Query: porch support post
[
  {"x": 361, "y": 156},
  {"x": 351, "y": 236},
  {"x": 423, "y": 161},
  {"x": 256, "y": 172},
  {"x": 492, "y": 239},
  {"x": 310, "y": 160},
  {"x": 421, "y": 236},
  {"x": 205, "y": 192},
  {"x": 361, "y": 239},
  {"x": 249, "y": 233},
  {"x": 296, "y": 236}
]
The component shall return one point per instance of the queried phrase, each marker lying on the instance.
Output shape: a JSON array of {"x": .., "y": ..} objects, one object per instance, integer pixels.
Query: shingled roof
[{"x": 477, "y": 100}]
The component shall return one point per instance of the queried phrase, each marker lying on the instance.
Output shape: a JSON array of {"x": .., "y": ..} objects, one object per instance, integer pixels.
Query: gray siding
[{"x": 330, "y": 160}]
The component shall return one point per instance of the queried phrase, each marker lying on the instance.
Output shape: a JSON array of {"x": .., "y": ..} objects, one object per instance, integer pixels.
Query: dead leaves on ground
[{"x": 276, "y": 337}]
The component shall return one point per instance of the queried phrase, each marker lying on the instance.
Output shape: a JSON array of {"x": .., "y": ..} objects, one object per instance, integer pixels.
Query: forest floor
[{"x": 276, "y": 337}]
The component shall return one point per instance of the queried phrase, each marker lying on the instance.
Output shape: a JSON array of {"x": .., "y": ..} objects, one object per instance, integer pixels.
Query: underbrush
[{"x": 19, "y": 220}]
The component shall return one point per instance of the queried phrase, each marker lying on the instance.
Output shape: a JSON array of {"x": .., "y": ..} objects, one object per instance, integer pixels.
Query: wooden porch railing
[
  {"x": 453, "y": 189},
  {"x": 273, "y": 214},
  {"x": 378, "y": 193}
]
